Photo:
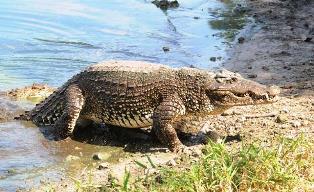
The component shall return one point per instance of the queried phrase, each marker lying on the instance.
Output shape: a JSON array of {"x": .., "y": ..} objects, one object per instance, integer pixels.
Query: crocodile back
[{"x": 125, "y": 93}]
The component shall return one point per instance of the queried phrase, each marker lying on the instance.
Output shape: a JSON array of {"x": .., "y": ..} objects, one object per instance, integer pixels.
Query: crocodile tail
[{"x": 48, "y": 111}]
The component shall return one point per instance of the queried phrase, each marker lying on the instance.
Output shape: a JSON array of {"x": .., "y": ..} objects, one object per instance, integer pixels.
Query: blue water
[{"x": 49, "y": 41}]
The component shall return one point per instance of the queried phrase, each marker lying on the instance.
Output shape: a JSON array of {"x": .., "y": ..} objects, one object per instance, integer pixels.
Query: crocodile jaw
[{"x": 249, "y": 94}]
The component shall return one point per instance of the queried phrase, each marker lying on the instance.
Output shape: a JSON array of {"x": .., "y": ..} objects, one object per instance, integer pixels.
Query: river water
[{"x": 49, "y": 41}]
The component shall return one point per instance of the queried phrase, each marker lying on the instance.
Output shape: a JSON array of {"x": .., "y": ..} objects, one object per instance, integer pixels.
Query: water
[{"x": 49, "y": 41}]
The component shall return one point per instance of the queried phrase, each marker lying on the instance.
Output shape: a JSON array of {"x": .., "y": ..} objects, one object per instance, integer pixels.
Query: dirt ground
[{"x": 280, "y": 51}]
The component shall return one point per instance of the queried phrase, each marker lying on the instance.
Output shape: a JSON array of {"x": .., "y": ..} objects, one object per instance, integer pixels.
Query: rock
[
  {"x": 166, "y": 49},
  {"x": 236, "y": 137},
  {"x": 77, "y": 148},
  {"x": 287, "y": 67},
  {"x": 72, "y": 158},
  {"x": 103, "y": 166},
  {"x": 295, "y": 124},
  {"x": 241, "y": 40},
  {"x": 284, "y": 126},
  {"x": 171, "y": 163},
  {"x": 213, "y": 59},
  {"x": 265, "y": 68},
  {"x": 35, "y": 92},
  {"x": 197, "y": 152},
  {"x": 252, "y": 76},
  {"x": 196, "y": 17},
  {"x": 306, "y": 38},
  {"x": 210, "y": 135},
  {"x": 285, "y": 110},
  {"x": 101, "y": 156},
  {"x": 281, "y": 119},
  {"x": 166, "y": 4}
]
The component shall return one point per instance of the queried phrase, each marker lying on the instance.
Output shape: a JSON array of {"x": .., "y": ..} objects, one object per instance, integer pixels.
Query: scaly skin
[{"x": 135, "y": 94}]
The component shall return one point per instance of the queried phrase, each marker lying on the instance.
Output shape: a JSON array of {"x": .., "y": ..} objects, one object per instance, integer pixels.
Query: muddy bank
[
  {"x": 281, "y": 49},
  {"x": 280, "y": 52},
  {"x": 15, "y": 102}
]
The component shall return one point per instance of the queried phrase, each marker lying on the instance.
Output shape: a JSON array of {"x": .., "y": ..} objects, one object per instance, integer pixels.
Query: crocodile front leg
[
  {"x": 74, "y": 101},
  {"x": 163, "y": 117}
]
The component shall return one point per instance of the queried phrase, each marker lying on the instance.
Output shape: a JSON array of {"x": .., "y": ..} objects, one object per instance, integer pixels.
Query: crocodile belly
[
  {"x": 132, "y": 121},
  {"x": 124, "y": 120}
]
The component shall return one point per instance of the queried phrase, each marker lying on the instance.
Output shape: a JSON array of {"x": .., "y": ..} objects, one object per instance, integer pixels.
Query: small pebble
[
  {"x": 241, "y": 40},
  {"x": 103, "y": 166},
  {"x": 281, "y": 119},
  {"x": 213, "y": 59},
  {"x": 306, "y": 38},
  {"x": 101, "y": 156},
  {"x": 296, "y": 124},
  {"x": 171, "y": 163},
  {"x": 287, "y": 67},
  {"x": 285, "y": 110},
  {"x": 252, "y": 76},
  {"x": 77, "y": 148},
  {"x": 196, "y": 152},
  {"x": 166, "y": 49},
  {"x": 284, "y": 126}
]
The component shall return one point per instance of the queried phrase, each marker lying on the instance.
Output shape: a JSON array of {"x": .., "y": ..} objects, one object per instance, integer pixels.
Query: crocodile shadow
[{"x": 132, "y": 140}]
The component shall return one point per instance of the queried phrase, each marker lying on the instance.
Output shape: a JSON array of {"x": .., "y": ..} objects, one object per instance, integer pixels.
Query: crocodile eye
[{"x": 219, "y": 80}]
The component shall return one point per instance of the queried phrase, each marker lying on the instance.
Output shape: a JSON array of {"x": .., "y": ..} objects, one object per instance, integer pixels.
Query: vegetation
[
  {"x": 284, "y": 165},
  {"x": 287, "y": 165}
]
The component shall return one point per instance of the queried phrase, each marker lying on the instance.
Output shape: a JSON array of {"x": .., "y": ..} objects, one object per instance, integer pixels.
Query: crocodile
[{"x": 136, "y": 94}]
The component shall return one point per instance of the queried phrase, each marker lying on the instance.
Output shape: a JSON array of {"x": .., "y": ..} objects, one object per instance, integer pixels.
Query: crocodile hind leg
[
  {"x": 74, "y": 101},
  {"x": 163, "y": 117}
]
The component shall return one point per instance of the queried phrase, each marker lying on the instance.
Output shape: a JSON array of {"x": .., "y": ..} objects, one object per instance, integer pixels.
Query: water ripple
[{"x": 69, "y": 43}]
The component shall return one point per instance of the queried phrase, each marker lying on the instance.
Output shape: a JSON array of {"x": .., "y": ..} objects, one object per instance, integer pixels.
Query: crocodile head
[{"x": 230, "y": 89}]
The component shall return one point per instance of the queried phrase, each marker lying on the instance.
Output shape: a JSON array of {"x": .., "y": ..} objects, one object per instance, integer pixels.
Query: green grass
[{"x": 286, "y": 165}]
